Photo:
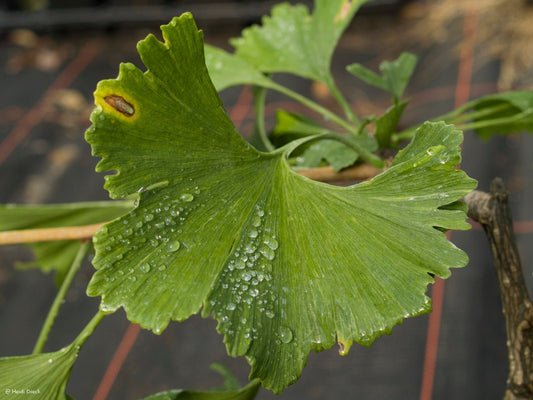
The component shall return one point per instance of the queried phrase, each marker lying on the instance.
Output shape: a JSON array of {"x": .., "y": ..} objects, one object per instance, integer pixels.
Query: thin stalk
[
  {"x": 259, "y": 106},
  {"x": 336, "y": 93},
  {"x": 456, "y": 118},
  {"x": 497, "y": 121},
  {"x": 457, "y": 111},
  {"x": 406, "y": 134},
  {"x": 89, "y": 328},
  {"x": 52, "y": 314},
  {"x": 316, "y": 107},
  {"x": 475, "y": 115}
]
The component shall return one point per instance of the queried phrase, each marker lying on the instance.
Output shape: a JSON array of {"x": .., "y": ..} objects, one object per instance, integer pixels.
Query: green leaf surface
[
  {"x": 334, "y": 153},
  {"x": 228, "y": 70},
  {"x": 387, "y": 123},
  {"x": 40, "y": 376},
  {"x": 294, "y": 41},
  {"x": 368, "y": 76},
  {"x": 295, "y": 126},
  {"x": 57, "y": 256},
  {"x": 395, "y": 74},
  {"x": 285, "y": 264},
  {"x": 230, "y": 391}
]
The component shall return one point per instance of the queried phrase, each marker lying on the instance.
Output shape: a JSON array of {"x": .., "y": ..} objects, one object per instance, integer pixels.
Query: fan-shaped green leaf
[
  {"x": 285, "y": 264},
  {"x": 510, "y": 112},
  {"x": 502, "y": 113},
  {"x": 292, "y": 40},
  {"x": 230, "y": 390},
  {"x": 395, "y": 74},
  {"x": 40, "y": 376},
  {"x": 57, "y": 256},
  {"x": 292, "y": 126},
  {"x": 387, "y": 123}
]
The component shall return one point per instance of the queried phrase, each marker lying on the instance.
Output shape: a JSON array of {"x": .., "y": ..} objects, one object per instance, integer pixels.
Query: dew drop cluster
[
  {"x": 150, "y": 233},
  {"x": 246, "y": 284}
]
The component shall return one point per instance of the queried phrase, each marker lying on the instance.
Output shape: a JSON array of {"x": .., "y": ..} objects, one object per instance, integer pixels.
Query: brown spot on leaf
[{"x": 121, "y": 105}]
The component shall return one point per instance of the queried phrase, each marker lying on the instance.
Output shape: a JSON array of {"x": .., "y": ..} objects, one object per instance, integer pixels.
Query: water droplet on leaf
[
  {"x": 173, "y": 246},
  {"x": 145, "y": 267},
  {"x": 286, "y": 335},
  {"x": 187, "y": 197},
  {"x": 148, "y": 217}
]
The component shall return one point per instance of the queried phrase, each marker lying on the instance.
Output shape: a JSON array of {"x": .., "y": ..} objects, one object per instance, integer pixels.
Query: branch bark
[
  {"x": 328, "y": 174},
  {"x": 49, "y": 234},
  {"x": 492, "y": 211}
]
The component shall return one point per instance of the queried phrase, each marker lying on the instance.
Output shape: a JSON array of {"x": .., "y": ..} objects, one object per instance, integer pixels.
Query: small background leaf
[
  {"x": 291, "y": 126},
  {"x": 395, "y": 74},
  {"x": 293, "y": 41},
  {"x": 513, "y": 113},
  {"x": 231, "y": 390},
  {"x": 368, "y": 76},
  {"x": 387, "y": 123}
]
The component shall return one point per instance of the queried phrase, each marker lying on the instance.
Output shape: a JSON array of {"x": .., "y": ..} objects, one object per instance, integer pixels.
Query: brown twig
[
  {"x": 328, "y": 174},
  {"x": 492, "y": 211},
  {"x": 49, "y": 234}
]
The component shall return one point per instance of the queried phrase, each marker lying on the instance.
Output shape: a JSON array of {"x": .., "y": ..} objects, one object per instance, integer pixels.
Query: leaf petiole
[
  {"x": 54, "y": 309},
  {"x": 459, "y": 117},
  {"x": 259, "y": 106},
  {"x": 89, "y": 328},
  {"x": 496, "y": 121},
  {"x": 316, "y": 107},
  {"x": 477, "y": 114},
  {"x": 336, "y": 93}
]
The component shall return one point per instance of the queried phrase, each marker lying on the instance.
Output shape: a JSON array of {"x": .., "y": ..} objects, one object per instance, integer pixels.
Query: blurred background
[{"x": 53, "y": 53}]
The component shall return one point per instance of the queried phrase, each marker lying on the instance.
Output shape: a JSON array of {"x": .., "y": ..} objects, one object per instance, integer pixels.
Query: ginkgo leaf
[
  {"x": 285, "y": 264},
  {"x": 58, "y": 255},
  {"x": 387, "y": 123},
  {"x": 395, "y": 74},
  {"x": 291, "y": 126},
  {"x": 509, "y": 112},
  {"x": 501, "y": 113},
  {"x": 40, "y": 376},
  {"x": 230, "y": 391},
  {"x": 292, "y": 40},
  {"x": 336, "y": 154}
]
